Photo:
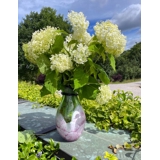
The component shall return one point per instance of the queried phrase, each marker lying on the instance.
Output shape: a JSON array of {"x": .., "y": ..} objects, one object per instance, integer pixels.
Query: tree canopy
[{"x": 128, "y": 65}]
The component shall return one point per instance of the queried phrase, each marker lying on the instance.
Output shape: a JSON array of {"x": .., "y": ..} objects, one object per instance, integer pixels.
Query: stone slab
[{"x": 91, "y": 143}]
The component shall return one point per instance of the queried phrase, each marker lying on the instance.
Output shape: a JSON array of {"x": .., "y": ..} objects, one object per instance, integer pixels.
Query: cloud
[
  {"x": 132, "y": 36},
  {"x": 25, "y": 7},
  {"x": 101, "y": 9},
  {"x": 92, "y": 9},
  {"x": 129, "y": 18},
  {"x": 125, "y": 13}
]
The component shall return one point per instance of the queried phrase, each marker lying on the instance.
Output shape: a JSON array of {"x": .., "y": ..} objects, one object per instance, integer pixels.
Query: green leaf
[
  {"x": 92, "y": 67},
  {"x": 100, "y": 115},
  {"x": 44, "y": 91},
  {"x": 112, "y": 61},
  {"x": 26, "y": 136},
  {"x": 80, "y": 78},
  {"x": 98, "y": 158},
  {"x": 93, "y": 48},
  {"x": 51, "y": 81},
  {"x": 73, "y": 158},
  {"x": 102, "y": 75},
  {"x": 58, "y": 44},
  {"x": 88, "y": 91},
  {"x": 43, "y": 63},
  {"x": 92, "y": 80},
  {"x": 54, "y": 158},
  {"x": 32, "y": 157},
  {"x": 62, "y": 32},
  {"x": 72, "y": 42},
  {"x": 127, "y": 146},
  {"x": 21, "y": 137}
]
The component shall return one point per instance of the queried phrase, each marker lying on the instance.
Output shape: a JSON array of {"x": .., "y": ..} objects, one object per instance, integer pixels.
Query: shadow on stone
[
  {"x": 39, "y": 121},
  {"x": 55, "y": 136},
  {"x": 120, "y": 132},
  {"x": 36, "y": 121},
  {"x": 93, "y": 130}
]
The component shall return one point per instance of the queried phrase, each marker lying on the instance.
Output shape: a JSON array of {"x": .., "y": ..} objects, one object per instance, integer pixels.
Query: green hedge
[{"x": 31, "y": 92}]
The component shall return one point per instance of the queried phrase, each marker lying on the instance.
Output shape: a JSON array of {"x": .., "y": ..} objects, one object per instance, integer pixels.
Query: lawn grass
[{"x": 126, "y": 81}]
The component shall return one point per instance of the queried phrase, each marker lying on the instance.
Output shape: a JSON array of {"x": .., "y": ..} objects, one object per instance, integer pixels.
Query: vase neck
[{"x": 68, "y": 91}]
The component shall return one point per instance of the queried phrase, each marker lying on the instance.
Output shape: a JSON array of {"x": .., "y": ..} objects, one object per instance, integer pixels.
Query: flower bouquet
[{"x": 70, "y": 61}]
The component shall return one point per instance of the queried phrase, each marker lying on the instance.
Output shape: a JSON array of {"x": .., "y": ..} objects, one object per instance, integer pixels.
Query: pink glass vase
[{"x": 70, "y": 117}]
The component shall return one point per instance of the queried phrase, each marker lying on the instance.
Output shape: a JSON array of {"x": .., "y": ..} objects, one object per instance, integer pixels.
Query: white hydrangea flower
[
  {"x": 82, "y": 37},
  {"x": 80, "y": 25},
  {"x": 61, "y": 62},
  {"x": 43, "y": 39},
  {"x": 110, "y": 36},
  {"x": 80, "y": 54},
  {"x": 40, "y": 43},
  {"x": 28, "y": 53},
  {"x": 78, "y": 21},
  {"x": 104, "y": 95}
]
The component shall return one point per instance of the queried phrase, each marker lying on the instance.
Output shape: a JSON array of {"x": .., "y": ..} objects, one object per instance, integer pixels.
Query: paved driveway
[{"x": 134, "y": 87}]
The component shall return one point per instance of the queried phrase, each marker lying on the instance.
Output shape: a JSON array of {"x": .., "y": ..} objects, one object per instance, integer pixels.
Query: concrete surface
[{"x": 134, "y": 87}]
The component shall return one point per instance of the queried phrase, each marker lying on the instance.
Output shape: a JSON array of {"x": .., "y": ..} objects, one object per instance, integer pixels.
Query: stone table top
[{"x": 92, "y": 142}]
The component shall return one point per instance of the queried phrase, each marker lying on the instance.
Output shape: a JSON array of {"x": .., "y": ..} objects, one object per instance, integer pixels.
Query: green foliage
[
  {"x": 107, "y": 156},
  {"x": 123, "y": 111},
  {"x": 129, "y": 63},
  {"x": 80, "y": 78},
  {"x": 29, "y": 148},
  {"x": 26, "y": 136},
  {"x": 32, "y": 22},
  {"x": 110, "y": 156},
  {"x": 31, "y": 92}
]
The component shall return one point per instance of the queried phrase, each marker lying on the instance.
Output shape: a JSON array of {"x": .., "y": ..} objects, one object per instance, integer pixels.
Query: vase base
[{"x": 72, "y": 130}]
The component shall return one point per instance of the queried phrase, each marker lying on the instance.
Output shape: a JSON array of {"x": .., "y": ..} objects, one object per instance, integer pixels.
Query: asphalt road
[{"x": 134, "y": 87}]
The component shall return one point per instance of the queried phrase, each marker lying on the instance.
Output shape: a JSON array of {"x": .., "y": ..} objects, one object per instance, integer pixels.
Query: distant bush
[
  {"x": 116, "y": 77},
  {"x": 40, "y": 79},
  {"x": 31, "y": 92}
]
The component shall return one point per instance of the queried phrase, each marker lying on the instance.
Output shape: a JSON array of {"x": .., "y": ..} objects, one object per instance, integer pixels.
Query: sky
[{"x": 125, "y": 13}]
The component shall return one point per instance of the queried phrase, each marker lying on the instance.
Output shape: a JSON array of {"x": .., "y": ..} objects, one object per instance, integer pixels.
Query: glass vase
[{"x": 70, "y": 117}]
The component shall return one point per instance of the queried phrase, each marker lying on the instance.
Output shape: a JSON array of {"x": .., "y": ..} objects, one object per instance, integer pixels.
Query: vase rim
[{"x": 69, "y": 94}]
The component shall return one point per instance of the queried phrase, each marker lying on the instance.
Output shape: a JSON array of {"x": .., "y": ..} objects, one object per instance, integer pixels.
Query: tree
[
  {"x": 32, "y": 22},
  {"x": 128, "y": 65}
]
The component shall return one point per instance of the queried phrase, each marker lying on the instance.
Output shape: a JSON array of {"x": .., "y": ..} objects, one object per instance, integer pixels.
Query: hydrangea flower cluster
[
  {"x": 40, "y": 43},
  {"x": 61, "y": 62},
  {"x": 105, "y": 94},
  {"x": 80, "y": 54},
  {"x": 28, "y": 54},
  {"x": 110, "y": 36},
  {"x": 80, "y": 25}
]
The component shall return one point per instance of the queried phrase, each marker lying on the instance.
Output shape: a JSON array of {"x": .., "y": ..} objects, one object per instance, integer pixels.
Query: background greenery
[{"x": 128, "y": 65}]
